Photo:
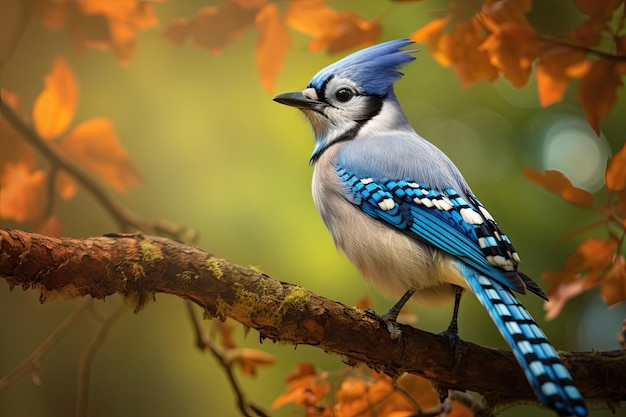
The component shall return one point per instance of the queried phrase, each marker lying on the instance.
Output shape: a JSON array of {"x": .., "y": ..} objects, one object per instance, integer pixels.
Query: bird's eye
[{"x": 344, "y": 94}]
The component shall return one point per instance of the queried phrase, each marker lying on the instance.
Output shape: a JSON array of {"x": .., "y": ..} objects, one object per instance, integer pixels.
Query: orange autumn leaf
[
  {"x": 307, "y": 386},
  {"x": 512, "y": 48},
  {"x": 214, "y": 27},
  {"x": 357, "y": 397},
  {"x": 459, "y": 48},
  {"x": 421, "y": 390},
  {"x": 272, "y": 45},
  {"x": 615, "y": 175},
  {"x": 558, "y": 183},
  {"x": 22, "y": 192},
  {"x": 248, "y": 360},
  {"x": 583, "y": 270},
  {"x": 101, "y": 24},
  {"x": 65, "y": 185},
  {"x": 613, "y": 286},
  {"x": 94, "y": 144},
  {"x": 226, "y": 331},
  {"x": 598, "y": 91},
  {"x": 431, "y": 30},
  {"x": 462, "y": 47},
  {"x": 55, "y": 106},
  {"x": 555, "y": 69},
  {"x": 336, "y": 31}
]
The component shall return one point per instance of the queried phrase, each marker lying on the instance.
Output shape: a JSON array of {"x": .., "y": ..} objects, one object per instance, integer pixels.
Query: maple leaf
[
  {"x": 94, "y": 144},
  {"x": 613, "y": 286},
  {"x": 615, "y": 175},
  {"x": 583, "y": 270},
  {"x": 55, "y": 106},
  {"x": 65, "y": 185},
  {"x": 598, "y": 91},
  {"x": 558, "y": 183},
  {"x": 248, "y": 360},
  {"x": 101, "y": 24},
  {"x": 214, "y": 28},
  {"x": 307, "y": 386},
  {"x": 512, "y": 48},
  {"x": 329, "y": 28},
  {"x": 22, "y": 191},
  {"x": 555, "y": 69},
  {"x": 460, "y": 48},
  {"x": 272, "y": 45}
]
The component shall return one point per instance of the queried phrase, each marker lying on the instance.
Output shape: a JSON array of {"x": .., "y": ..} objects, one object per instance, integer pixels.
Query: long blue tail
[{"x": 544, "y": 370}]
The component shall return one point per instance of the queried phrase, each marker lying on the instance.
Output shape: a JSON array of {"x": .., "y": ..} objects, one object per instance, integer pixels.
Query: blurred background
[{"x": 218, "y": 155}]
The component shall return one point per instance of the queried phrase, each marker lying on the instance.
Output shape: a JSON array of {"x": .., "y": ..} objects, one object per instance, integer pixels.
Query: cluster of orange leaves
[
  {"x": 596, "y": 261},
  {"x": 101, "y": 24},
  {"x": 215, "y": 27},
  {"x": 24, "y": 185},
  {"x": 482, "y": 39},
  {"x": 363, "y": 393}
]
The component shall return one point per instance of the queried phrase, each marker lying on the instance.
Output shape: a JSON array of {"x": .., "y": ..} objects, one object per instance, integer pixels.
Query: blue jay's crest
[{"x": 374, "y": 69}]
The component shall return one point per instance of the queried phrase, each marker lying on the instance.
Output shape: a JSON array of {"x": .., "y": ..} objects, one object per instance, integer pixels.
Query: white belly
[{"x": 392, "y": 261}]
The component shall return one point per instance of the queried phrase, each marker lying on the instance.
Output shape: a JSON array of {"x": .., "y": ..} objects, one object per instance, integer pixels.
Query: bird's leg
[
  {"x": 389, "y": 318},
  {"x": 452, "y": 332}
]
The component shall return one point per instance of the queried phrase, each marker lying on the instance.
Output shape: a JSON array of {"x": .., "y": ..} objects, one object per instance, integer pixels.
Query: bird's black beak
[{"x": 297, "y": 99}]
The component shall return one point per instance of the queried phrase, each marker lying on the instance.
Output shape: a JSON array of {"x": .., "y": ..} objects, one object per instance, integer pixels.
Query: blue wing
[{"x": 445, "y": 219}]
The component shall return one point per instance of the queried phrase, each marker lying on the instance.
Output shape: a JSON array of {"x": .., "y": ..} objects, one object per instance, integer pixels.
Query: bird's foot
[
  {"x": 389, "y": 320},
  {"x": 456, "y": 344}
]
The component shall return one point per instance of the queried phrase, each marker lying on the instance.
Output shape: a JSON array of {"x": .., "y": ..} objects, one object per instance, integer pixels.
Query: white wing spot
[
  {"x": 470, "y": 216},
  {"x": 387, "y": 204},
  {"x": 367, "y": 181},
  {"x": 427, "y": 202},
  {"x": 446, "y": 204}
]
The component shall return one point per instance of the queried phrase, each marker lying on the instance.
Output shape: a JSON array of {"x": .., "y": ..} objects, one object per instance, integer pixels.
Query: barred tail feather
[{"x": 544, "y": 370}]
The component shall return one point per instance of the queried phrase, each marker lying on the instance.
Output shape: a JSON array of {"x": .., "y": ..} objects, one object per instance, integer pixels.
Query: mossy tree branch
[{"x": 138, "y": 266}]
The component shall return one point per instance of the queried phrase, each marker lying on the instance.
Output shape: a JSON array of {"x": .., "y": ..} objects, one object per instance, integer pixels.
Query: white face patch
[{"x": 310, "y": 93}]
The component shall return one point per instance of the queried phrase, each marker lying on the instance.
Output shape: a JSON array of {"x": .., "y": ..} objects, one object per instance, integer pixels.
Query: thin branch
[
  {"x": 126, "y": 219},
  {"x": 84, "y": 367},
  {"x": 203, "y": 342},
  {"x": 31, "y": 363},
  {"x": 137, "y": 266},
  {"x": 553, "y": 40}
]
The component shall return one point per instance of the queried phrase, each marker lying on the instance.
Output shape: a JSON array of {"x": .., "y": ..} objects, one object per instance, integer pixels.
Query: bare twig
[
  {"x": 203, "y": 342},
  {"x": 31, "y": 363},
  {"x": 553, "y": 40},
  {"x": 86, "y": 361}
]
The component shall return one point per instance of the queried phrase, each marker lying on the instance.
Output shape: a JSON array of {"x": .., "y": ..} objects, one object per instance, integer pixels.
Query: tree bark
[{"x": 138, "y": 266}]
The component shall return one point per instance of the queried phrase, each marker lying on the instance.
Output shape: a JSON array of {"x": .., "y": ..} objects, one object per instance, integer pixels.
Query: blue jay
[{"x": 404, "y": 215}]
